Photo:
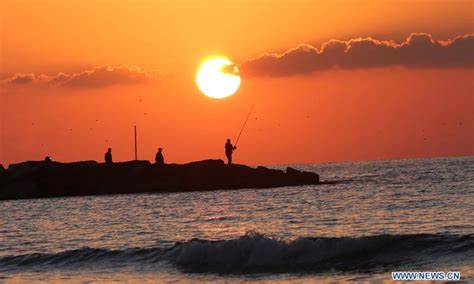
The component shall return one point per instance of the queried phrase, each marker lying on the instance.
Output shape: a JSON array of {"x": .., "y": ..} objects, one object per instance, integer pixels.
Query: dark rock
[
  {"x": 300, "y": 175},
  {"x": 35, "y": 179}
]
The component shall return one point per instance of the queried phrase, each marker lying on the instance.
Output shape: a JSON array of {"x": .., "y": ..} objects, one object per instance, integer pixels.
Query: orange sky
[{"x": 330, "y": 115}]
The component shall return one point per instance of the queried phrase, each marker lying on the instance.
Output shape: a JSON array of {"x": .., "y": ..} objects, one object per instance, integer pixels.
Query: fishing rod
[{"x": 243, "y": 126}]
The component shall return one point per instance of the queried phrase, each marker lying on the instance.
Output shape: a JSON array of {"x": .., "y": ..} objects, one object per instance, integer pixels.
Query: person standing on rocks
[
  {"x": 229, "y": 149},
  {"x": 108, "y": 156},
  {"x": 159, "y": 159}
]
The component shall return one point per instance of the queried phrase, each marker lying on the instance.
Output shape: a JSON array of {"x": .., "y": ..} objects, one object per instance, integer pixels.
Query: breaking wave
[{"x": 256, "y": 252}]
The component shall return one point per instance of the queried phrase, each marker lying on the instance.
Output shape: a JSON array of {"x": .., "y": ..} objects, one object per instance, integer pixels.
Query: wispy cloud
[{"x": 98, "y": 77}]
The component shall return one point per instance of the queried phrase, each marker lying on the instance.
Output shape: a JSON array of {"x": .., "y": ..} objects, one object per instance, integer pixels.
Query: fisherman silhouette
[
  {"x": 108, "y": 156},
  {"x": 229, "y": 149},
  {"x": 159, "y": 159}
]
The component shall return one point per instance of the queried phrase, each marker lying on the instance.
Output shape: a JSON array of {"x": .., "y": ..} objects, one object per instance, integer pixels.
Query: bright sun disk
[{"x": 218, "y": 78}]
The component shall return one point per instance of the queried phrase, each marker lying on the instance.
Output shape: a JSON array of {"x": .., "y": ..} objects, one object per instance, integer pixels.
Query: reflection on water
[{"x": 392, "y": 197}]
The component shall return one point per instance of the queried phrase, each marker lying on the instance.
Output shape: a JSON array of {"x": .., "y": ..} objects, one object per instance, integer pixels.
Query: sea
[{"x": 377, "y": 218}]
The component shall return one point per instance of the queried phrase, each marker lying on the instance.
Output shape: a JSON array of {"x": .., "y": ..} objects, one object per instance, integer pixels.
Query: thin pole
[
  {"x": 136, "y": 152},
  {"x": 243, "y": 126}
]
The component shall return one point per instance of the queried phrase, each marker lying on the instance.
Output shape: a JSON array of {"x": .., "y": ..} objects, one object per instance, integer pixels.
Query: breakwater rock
[{"x": 39, "y": 179}]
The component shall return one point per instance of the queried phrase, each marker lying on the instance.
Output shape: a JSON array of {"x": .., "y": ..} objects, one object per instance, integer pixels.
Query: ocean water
[{"x": 382, "y": 216}]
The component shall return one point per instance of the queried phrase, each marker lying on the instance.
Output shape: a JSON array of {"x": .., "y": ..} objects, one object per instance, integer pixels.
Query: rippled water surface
[{"x": 381, "y": 216}]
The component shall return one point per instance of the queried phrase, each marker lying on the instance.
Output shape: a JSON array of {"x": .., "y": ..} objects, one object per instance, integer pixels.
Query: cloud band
[
  {"x": 97, "y": 77},
  {"x": 419, "y": 50}
]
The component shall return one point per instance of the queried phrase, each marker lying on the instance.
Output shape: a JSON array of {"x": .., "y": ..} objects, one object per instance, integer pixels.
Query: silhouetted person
[
  {"x": 48, "y": 159},
  {"x": 159, "y": 159},
  {"x": 108, "y": 156},
  {"x": 229, "y": 149}
]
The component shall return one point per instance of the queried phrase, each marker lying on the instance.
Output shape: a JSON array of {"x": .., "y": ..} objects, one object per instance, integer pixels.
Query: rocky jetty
[{"x": 52, "y": 179}]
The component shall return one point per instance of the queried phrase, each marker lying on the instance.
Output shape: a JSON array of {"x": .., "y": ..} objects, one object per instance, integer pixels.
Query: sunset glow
[
  {"x": 329, "y": 83},
  {"x": 206, "y": 141}
]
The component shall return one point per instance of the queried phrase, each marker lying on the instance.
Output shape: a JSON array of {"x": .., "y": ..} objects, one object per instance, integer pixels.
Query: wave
[{"x": 255, "y": 252}]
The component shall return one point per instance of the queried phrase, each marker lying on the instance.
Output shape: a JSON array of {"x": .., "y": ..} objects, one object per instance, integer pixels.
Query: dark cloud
[
  {"x": 418, "y": 51},
  {"x": 21, "y": 79},
  {"x": 97, "y": 77}
]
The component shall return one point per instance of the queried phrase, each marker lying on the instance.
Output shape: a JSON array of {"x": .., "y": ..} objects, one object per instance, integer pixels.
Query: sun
[{"x": 218, "y": 78}]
